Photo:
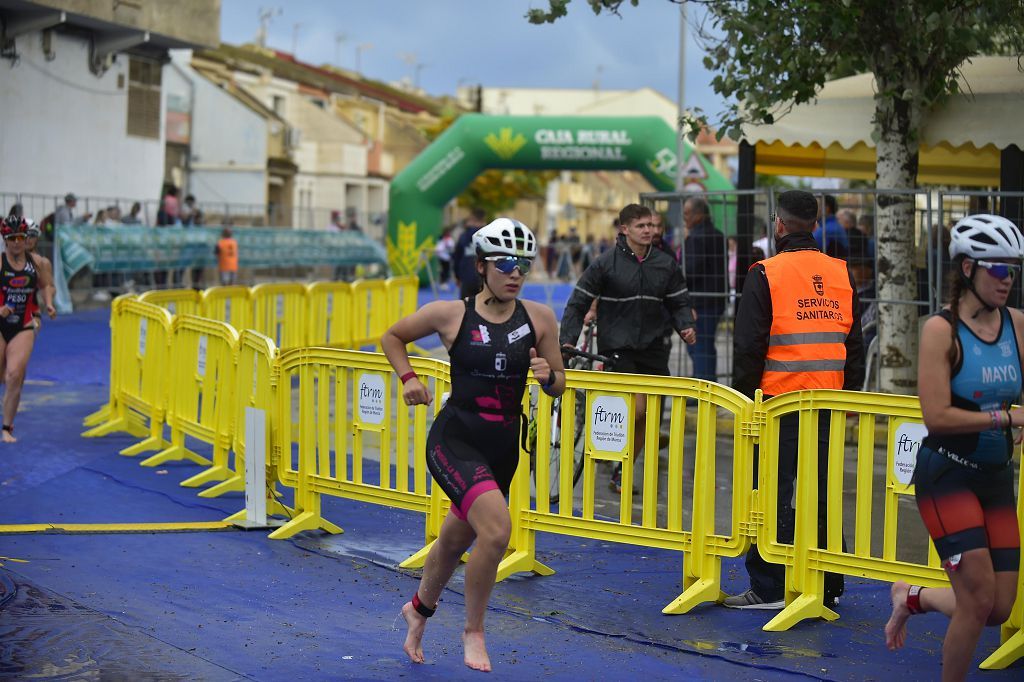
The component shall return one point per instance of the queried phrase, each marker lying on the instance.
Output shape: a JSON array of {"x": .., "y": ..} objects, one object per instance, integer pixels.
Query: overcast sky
[{"x": 460, "y": 42}]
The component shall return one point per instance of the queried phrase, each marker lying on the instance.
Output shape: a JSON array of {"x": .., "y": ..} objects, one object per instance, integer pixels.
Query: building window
[
  {"x": 144, "y": 98},
  {"x": 278, "y": 106}
]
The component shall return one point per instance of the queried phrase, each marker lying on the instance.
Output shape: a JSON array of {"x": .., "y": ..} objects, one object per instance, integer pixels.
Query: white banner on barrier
[
  {"x": 201, "y": 363},
  {"x": 370, "y": 398},
  {"x": 143, "y": 329},
  {"x": 609, "y": 423},
  {"x": 906, "y": 442}
]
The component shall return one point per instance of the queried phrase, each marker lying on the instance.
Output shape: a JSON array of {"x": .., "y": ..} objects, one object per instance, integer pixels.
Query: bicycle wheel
[{"x": 555, "y": 450}]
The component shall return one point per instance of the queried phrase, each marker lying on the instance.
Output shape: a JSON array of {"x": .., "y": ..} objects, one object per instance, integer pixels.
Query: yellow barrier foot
[
  {"x": 173, "y": 454},
  {"x": 126, "y": 424},
  {"x": 304, "y": 521},
  {"x": 1010, "y": 651},
  {"x": 275, "y": 508},
  {"x": 419, "y": 558},
  {"x": 151, "y": 443},
  {"x": 521, "y": 562},
  {"x": 701, "y": 591},
  {"x": 215, "y": 473},
  {"x": 803, "y": 607},
  {"x": 99, "y": 416},
  {"x": 234, "y": 484}
]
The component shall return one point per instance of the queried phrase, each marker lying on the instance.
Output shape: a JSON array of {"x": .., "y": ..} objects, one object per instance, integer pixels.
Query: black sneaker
[{"x": 751, "y": 600}]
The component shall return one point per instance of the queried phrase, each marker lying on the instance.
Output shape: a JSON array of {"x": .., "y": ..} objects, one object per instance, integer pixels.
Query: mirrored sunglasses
[
  {"x": 15, "y": 237},
  {"x": 1000, "y": 270},
  {"x": 506, "y": 264}
]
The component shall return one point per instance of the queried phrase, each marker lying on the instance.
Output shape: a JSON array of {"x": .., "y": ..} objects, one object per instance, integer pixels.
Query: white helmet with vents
[
  {"x": 986, "y": 236},
  {"x": 505, "y": 236}
]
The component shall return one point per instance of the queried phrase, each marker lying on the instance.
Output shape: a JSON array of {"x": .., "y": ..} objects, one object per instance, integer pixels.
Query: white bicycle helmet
[
  {"x": 505, "y": 236},
  {"x": 32, "y": 229},
  {"x": 986, "y": 236}
]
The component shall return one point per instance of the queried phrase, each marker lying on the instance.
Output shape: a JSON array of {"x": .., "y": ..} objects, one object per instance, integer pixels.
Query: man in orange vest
[
  {"x": 797, "y": 328},
  {"x": 227, "y": 257}
]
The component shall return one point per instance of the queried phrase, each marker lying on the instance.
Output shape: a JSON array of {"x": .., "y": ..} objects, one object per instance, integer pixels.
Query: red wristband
[{"x": 408, "y": 375}]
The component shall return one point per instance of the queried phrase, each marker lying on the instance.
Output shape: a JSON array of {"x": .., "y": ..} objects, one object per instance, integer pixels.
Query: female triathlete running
[
  {"x": 969, "y": 374},
  {"x": 20, "y": 278},
  {"x": 494, "y": 340},
  {"x": 45, "y": 267}
]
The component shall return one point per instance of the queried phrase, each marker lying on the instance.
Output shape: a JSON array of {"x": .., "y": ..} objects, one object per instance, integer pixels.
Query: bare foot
[
  {"x": 413, "y": 646},
  {"x": 8, "y": 437},
  {"x": 476, "y": 651},
  {"x": 896, "y": 628}
]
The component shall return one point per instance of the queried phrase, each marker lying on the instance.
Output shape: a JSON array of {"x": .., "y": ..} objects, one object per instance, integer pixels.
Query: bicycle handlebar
[{"x": 608, "y": 361}]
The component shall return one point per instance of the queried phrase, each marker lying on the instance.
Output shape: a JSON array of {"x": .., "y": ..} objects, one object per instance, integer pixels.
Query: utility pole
[
  {"x": 266, "y": 15},
  {"x": 680, "y": 146},
  {"x": 359, "y": 53},
  {"x": 339, "y": 39},
  {"x": 295, "y": 37},
  {"x": 413, "y": 61}
]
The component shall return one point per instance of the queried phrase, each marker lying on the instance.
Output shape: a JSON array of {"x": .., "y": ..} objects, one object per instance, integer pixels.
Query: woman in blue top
[
  {"x": 494, "y": 340},
  {"x": 969, "y": 374}
]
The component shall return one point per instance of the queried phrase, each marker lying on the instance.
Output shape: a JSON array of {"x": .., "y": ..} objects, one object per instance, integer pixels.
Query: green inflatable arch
[{"x": 477, "y": 142}]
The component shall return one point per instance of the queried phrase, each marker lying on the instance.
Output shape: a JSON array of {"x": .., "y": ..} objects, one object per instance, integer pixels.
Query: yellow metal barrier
[
  {"x": 228, "y": 304},
  {"x": 610, "y": 405},
  {"x": 351, "y": 443},
  {"x": 805, "y": 562},
  {"x": 369, "y": 312},
  {"x": 330, "y": 314},
  {"x": 139, "y": 365},
  {"x": 403, "y": 296},
  {"x": 254, "y": 386},
  {"x": 175, "y": 301},
  {"x": 104, "y": 413},
  {"x": 1012, "y": 632},
  {"x": 279, "y": 312},
  {"x": 201, "y": 378}
]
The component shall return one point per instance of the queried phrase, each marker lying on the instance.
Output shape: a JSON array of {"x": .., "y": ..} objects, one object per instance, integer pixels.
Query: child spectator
[{"x": 227, "y": 257}]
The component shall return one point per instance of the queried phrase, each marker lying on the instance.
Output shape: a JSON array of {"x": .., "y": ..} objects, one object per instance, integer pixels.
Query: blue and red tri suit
[{"x": 18, "y": 292}]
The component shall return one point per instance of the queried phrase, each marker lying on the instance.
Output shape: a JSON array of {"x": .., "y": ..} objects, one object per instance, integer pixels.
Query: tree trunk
[{"x": 899, "y": 125}]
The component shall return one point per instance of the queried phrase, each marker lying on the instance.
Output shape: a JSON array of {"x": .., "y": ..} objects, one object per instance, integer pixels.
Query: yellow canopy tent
[{"x": 962, "y": 141}]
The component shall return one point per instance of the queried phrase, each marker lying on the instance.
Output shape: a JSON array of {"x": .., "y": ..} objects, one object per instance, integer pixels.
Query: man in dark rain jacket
[{"x": 635, "y": 285}]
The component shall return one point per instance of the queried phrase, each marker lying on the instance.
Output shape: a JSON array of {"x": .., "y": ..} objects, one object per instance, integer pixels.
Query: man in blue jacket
[
  {"x": 830, "y": 235},
  {"x": 706, "y": 266}
]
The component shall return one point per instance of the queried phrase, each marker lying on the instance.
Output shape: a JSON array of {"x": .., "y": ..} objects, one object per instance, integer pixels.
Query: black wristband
[
  {"x": 551, "y": 380},
  {"x": 422, "y": 608}
]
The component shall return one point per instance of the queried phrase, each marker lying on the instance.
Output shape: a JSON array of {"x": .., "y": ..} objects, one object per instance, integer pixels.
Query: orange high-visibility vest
[
  {"x": 812, "y": 313},
  {"x": 227, "y": 255}
]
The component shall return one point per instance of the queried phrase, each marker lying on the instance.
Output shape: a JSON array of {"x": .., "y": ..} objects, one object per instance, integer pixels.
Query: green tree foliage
[
  {"x": 770, "y": 55},
  {"x": 496, "y": 190}
]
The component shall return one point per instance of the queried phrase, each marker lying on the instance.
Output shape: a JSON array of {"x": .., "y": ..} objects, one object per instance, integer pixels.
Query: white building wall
[
  {"x": 228, "y": 141},
  {"x": 570, "y": 102},
  {"x": 332, "y": 156},
  {"x": 62, "y": 129}
]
